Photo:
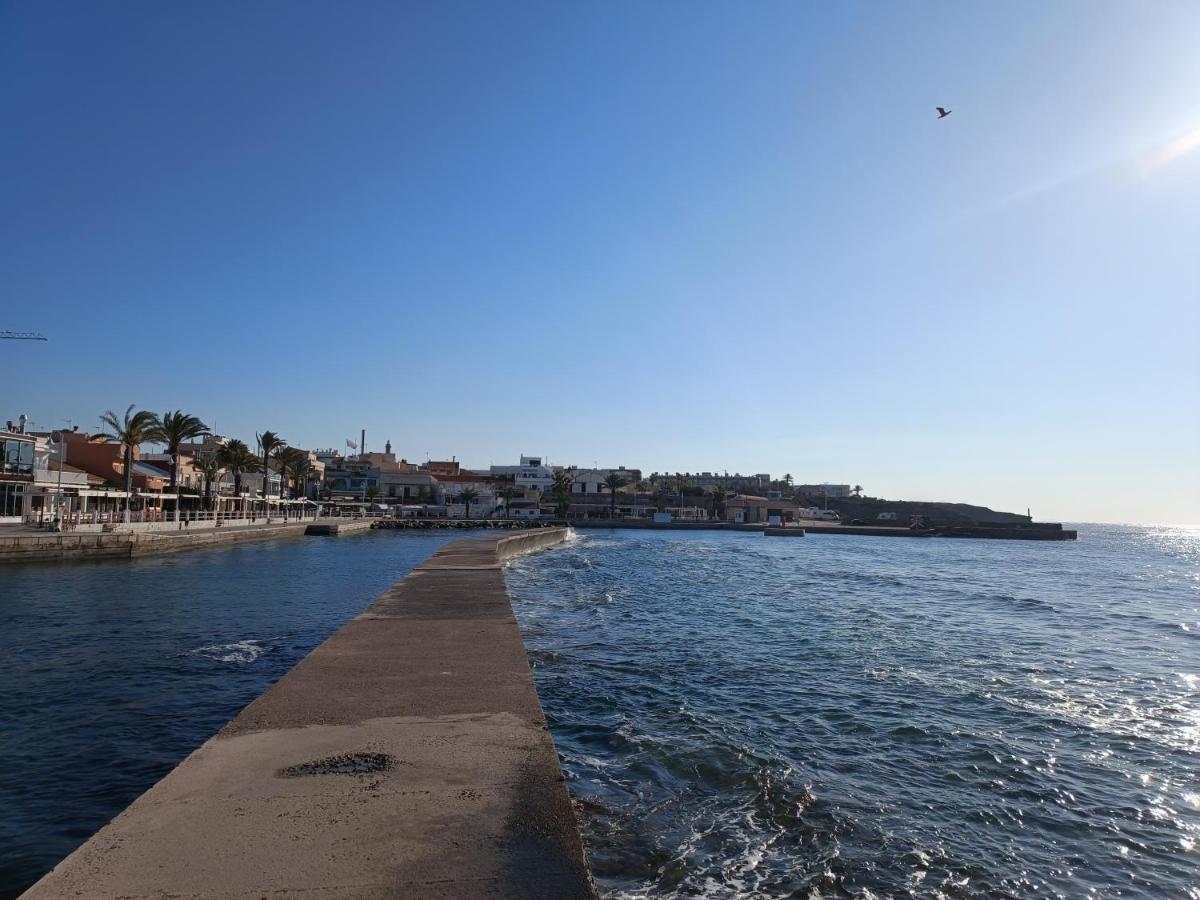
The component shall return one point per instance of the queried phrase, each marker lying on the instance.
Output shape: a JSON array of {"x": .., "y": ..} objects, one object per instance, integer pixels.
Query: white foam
[{"x": 239, "y": 651}]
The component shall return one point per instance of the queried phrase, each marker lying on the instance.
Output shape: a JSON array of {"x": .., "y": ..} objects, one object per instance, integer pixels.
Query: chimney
[{"x": 362, "y": 442}]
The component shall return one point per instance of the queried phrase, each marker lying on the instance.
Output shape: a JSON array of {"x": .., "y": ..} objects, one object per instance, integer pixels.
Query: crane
[{"x": 21, "y": 336}]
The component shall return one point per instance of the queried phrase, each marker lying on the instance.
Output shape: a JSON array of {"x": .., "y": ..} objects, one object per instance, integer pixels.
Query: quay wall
[
  {"x": 407, "y": 756},
  {"x": 69, "y": 546},
  {"x": 333, "y": 527}
]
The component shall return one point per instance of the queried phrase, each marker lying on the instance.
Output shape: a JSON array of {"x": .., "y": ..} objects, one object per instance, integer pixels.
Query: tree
[
  {"x": 299, "y": 467},
  {"x": 172, "y": 430},
  {"x": 639, "y": 488},
  {"x": 209, "y": 465},
  {"x": 614, "y": 483},
  {"x": 373, "y": 493},
  {"x": 506, "y": 494},
  {"x": 718, "y": 493},
  {"x": 680, "y": 482},
  {"x": 131, "y": 431},
  {"x": 468, "y": 495},
  {"x": 561, "y": 492},
  {"x": 858, "y": 489},
  {"x": 283, "y": 456},
  {"x": 237, "y": 458},
  {"x": 268, "y": 443}
]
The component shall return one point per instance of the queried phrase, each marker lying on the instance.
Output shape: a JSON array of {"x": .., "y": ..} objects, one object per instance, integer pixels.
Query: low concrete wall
[
  {"x": 72, "y": 546},
  {"x": 333, "y": 527},
  {"x": 407, "y": 756}
]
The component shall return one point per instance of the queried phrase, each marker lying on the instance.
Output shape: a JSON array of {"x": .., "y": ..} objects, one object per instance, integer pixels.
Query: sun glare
[{"x": 1171, "y": 150}]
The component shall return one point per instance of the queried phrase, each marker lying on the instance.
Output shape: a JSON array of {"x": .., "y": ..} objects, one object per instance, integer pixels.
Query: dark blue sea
[
  {"x": 742, "y": 716},
  {"x": 113, "y": 672}
]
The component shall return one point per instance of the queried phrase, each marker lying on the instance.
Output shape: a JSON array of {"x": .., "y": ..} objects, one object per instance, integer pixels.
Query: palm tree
[
  {"x": 468, "y": 495},
  {"x": 209, "y": 465},
  {"x": 238, "y": 458},
  {"x": 681, "y": 481},
  {"x": 131, "y": 431},
  {"x": 639, "y": 488},
  {"x": 268, "y": 443},
  {"x": 858, "y": 489},
  {"x": 506, "y": 494},
  {"x": 561, "y": 492},
  {"x": 373, "y": 493},
  {"x": 297, "y": 465},
  {"x": 718, "y": 492},
  {"x": 614, "y": 482},
  {"x": 283, "y": 455},
  {"x": 173, "y": 429}
]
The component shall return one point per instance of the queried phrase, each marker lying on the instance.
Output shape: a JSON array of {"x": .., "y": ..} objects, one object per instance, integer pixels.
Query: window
[
  {"x": 11, "y": 497},
  {"x": 17, "y": 457}
]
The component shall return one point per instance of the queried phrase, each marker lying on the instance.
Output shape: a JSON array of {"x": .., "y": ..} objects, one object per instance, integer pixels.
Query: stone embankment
[
  {"x": 407, "y": 756},
  {"x": 70, "y": 546},
  {"x": 509, "y": 524}
]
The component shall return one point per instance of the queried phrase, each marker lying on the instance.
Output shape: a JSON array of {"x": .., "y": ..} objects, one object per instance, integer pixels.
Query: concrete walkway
[{"x": 407, "y": 756}]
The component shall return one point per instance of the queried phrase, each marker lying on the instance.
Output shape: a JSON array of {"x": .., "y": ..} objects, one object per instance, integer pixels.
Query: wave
[{"x": 245, "y": 651}]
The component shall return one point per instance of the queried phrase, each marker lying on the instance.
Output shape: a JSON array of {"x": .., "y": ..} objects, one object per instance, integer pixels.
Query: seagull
[{"x": 943, "y": 112}]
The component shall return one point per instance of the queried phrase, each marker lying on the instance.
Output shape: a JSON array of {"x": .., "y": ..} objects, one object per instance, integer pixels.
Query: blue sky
[{"x": 680, "y": 236}]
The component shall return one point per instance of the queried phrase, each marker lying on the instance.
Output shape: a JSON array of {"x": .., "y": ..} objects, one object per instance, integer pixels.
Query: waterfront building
[
  {"x": 381, "y": 474},
  {"x": 106, "y": 460},
  {"x": 592, "y": 481},
  {"x": 16, "y": 473},
  {"x": 832, "y": 491},
  {"x": 705, "y": 480},
  {"x": 749, "y": 509},
  {"x": 450, "y": 487},
  {"x": 531, "y": 474}
]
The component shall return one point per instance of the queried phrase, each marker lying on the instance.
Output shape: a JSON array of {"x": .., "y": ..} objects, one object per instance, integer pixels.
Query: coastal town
[{"x": 145, "y": 470}]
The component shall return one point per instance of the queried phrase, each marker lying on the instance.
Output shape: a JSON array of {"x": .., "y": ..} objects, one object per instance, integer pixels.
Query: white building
[
  {"x": 530, "y": 475},
  {"x": 593, "y": 481},
  {"x": 824, "y": 489}
]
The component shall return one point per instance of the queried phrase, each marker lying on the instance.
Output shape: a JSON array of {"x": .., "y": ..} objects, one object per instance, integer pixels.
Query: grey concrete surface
[{"x": 429, "y": 692}]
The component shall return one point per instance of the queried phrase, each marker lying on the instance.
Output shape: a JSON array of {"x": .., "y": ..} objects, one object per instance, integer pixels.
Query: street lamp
[{"x": 62, "y": 460}]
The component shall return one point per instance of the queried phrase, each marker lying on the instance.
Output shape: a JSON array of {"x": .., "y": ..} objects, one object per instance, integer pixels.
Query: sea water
[
  {"x": 112, "y": 672},
  {"x": 844, "y": 716}
]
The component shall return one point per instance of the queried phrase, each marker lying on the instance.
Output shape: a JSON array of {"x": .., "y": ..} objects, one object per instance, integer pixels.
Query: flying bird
[{"x": 943, "y": 112}]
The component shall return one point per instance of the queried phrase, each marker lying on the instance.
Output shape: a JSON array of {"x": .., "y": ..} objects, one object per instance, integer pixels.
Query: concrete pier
[{"x": 407, "y": 756}]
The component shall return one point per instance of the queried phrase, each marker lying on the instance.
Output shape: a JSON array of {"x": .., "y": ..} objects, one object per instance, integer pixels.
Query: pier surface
[{"x": 407, "y": 756}]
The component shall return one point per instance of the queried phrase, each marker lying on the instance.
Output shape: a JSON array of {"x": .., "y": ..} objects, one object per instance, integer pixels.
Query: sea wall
[
  {"x": 406, "y": 756},
  {"x": 69, "y": 546},
  {"x": 333, "y": 527}
]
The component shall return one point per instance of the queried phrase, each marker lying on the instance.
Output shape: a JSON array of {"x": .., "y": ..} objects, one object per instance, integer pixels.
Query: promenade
[{"x": 406, "y": 756}]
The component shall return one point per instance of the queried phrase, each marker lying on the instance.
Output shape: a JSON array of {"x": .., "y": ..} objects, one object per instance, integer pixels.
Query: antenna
[{"x": 21, "y": 336}]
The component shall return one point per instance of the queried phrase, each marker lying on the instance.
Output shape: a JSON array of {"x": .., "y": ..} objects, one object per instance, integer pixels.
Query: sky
[{"x": 680, "y": 236}]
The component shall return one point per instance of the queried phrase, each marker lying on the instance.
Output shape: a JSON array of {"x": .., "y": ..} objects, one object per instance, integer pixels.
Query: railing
[{"x": 111, "y": 520}]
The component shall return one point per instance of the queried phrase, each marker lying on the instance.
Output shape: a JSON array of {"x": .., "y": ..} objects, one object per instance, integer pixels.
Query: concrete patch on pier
[{"x": 406, "y": 756}]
